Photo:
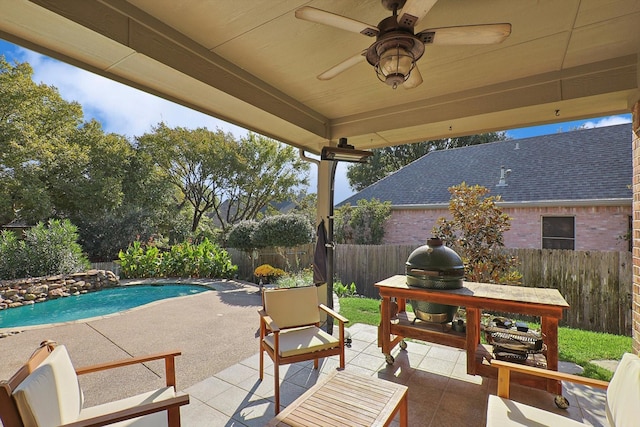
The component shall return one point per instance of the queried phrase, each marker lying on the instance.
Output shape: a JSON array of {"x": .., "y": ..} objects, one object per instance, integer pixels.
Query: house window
[{"x": 558, "y": 232}]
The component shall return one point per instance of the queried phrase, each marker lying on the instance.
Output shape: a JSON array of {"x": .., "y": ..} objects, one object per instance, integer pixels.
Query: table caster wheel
[
  {"x": 403, "y": 344},
  {"x": 561, "y": 401},
  {"x": 389, "y": 359}
]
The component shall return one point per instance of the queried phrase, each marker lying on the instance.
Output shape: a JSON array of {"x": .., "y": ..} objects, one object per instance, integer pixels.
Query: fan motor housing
[{"x": 393, "y": 4}]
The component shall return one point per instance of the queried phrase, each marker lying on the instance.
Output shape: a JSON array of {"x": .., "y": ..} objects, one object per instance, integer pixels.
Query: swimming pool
[{"x": 100, "y": 303}]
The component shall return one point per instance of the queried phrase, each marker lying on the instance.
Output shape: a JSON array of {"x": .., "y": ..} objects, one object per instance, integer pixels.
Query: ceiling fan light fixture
[
  {"x": 393, "y": 56},
  {"x": 395, "y": 66}
]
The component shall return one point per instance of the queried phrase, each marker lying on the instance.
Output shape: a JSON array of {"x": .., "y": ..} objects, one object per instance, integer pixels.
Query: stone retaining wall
[{"x": 19, "y": 292}]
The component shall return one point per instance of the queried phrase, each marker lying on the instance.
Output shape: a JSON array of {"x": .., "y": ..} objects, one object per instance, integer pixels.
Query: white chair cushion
[
  {"x": 302, "y": 341},
  {"x": 158, "y": 419},
  {"x": 504, "y": 412},
  {"x": 50, "y": 395},
  {"x": 291, "y": 307},
  {"x": 623, "y": 393}
]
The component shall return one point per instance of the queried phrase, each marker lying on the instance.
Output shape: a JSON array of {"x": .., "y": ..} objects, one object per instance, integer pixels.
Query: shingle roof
[{"x": 584, "y": 164}]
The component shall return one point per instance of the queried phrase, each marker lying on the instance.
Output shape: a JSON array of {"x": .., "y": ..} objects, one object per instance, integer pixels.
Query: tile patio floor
[{"x": 441, "y": 394}]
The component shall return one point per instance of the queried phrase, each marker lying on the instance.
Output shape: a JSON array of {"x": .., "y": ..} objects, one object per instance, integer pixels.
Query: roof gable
[{"x": 586, "y": 164}]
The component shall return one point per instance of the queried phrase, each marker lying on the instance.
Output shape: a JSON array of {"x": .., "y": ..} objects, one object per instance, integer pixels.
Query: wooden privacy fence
[{"x": 597, "y": 285}]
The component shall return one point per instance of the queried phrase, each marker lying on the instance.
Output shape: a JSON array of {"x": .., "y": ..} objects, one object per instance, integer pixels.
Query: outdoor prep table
[{"x": 475, "y": 297}]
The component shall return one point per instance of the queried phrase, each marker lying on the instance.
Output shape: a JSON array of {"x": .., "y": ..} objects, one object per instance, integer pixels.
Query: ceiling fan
[{"x": 397, "y": 49}]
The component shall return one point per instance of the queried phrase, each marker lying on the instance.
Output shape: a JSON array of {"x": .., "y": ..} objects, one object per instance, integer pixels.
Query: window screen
[{"x": 558, "y": 232}]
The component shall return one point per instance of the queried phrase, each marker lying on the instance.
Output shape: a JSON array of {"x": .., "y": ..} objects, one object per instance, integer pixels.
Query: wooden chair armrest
[
  {"x": 264, "y": 317},
  {"x": 126, "y": 362},
  {"x": 129, "y": 413},
  {"x": 169, "y": 364},
  {"x": 505, "y": 369},
  {"x": 334, "y": 314}
]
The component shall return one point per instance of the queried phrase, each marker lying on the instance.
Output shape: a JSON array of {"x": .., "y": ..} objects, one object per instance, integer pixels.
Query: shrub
[
  {"x": 302, "y": 278},
  {"x": 343, "y": 291},
  {"x": 284, "y": 231},
  {"x": 475, "y": 231},
  {"x": 46, "y": 250},
  {"x": 241, "y": 236},
  {"x": 138, "y": 262},
  {"x": 12, "y": 262},
  {"x": 182, "y": 260},
  {"x": 268, "y": 273}
]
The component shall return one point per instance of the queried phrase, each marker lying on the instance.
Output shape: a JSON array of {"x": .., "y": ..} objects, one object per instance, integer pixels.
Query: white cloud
[
  {"x": 607, "y": 121},
  {"x": 120, "y": 108}
]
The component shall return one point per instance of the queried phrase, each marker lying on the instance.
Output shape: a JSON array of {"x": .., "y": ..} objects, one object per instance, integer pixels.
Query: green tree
[
  {"x": 147, "y": 211},
  {"x": 52, "y": 164},
  {"x": 215, "y": 173},
  {"x": 266, "y": 172},
  {"x": 35, "y": 124},
  {"x": 194, "y": 161},
  {"x": 362, "y": 224},
  {"x": 476, "y": 232},
  {"x": 387, "y": 160}
]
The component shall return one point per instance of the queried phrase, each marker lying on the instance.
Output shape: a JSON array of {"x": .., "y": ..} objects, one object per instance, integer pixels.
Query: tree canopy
[
  {"x": 387, "y": 160},
  {"x": 165, "y": 186},
  {"x": 214, "y": 172},
  {"x": 54, "y": 165}
]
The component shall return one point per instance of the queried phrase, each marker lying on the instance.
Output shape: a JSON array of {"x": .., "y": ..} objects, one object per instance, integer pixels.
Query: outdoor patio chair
[
  {"x": 45, "y": 392},
  {"x": 622, "y": 401},
  {"x": 290, "y": 330}
]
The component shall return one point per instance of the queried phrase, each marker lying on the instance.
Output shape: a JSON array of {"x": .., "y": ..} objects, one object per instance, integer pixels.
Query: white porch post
[{"x": 324, "y": 206}]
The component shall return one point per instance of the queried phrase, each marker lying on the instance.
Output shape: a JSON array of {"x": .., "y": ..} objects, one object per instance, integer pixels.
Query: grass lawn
[{"x": 575, "y": 345}]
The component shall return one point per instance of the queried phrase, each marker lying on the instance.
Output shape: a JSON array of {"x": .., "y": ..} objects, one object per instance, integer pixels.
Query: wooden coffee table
[{"x": 347, "y": 399}]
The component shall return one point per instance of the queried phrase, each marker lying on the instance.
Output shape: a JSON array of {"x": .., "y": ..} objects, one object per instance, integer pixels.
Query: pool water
[{"x": 100, "y": 303}]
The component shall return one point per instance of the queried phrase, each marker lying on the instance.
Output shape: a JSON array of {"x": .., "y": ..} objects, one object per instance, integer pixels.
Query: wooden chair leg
[
  {"x": 261, "y": 361},
  {"x": 315, "y": 363},
  {"x": 173, "y": 417},
  {"x": 276, "y": 388}
]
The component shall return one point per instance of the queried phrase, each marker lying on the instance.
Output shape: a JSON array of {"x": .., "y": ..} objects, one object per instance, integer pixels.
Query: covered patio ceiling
[{"x": 253, "y": 64}]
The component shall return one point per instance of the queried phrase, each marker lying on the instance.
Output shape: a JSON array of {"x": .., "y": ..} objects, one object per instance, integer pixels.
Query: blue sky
[{"x": 131, "y": 112}]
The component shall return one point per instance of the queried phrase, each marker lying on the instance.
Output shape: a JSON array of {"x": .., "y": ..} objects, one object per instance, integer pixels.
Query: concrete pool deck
[{"x": 214, "y": 330}]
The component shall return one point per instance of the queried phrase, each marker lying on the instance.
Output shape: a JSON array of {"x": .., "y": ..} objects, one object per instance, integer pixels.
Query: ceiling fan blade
[
  {"x": 327, "y": 18},
  {"x": 343, "y": 66},
  {"x": 466, "y": 34},
  {"x": 414, "y": 80},
  {"x": 413, "y": 11}
]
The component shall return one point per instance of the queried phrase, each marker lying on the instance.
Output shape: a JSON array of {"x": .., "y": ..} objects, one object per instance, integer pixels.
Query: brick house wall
[
  {"x": 597, "y": 227},
  {"x": 636, "y": 226}
]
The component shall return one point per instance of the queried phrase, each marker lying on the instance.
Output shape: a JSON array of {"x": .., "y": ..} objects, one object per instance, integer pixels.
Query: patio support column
[
  {"x": 635, "y": 111},
  {"x": 323, "y": 208}
]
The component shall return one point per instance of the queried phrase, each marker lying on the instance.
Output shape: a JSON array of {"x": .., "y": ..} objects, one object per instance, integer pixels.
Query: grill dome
[{"x": 434, "y": 266}]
